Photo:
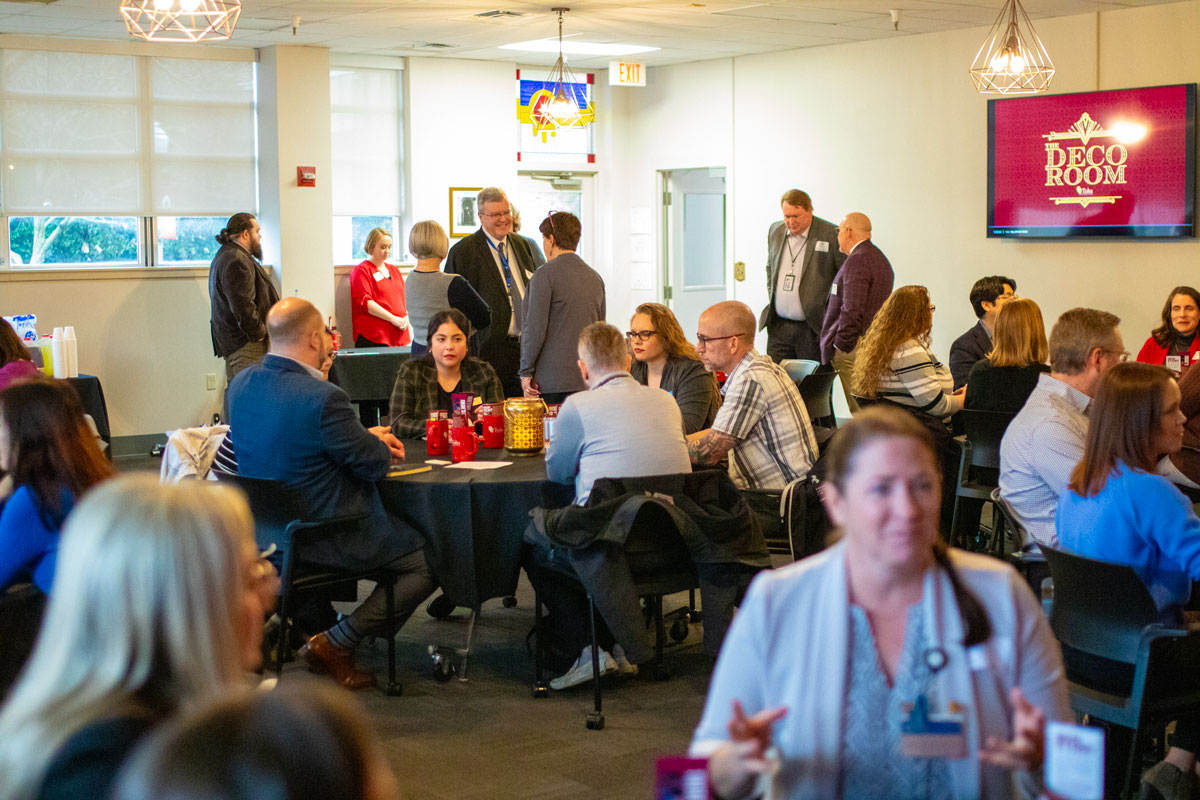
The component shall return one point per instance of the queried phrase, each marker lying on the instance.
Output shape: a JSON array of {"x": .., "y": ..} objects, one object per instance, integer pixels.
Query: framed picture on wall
[{"x": 464, "y": 217}]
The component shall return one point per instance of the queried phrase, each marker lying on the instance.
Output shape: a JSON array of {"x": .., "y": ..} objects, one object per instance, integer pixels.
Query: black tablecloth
[
  {"x": 473, "y": 521},
  {"x": 92, "y": 395},
  {"x": 368, "y": 374}
]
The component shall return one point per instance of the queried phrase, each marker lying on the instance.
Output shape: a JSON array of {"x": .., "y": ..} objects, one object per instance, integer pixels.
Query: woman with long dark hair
[
  {"x": 832, "y": 662},
  {"x": 664, "y": 359},
  {"x": 15, "y": 361},
  {"x": 1176, "y": 335},
  {"x": 51, "y": 455},
  {"x": 1118, "y": 509}
]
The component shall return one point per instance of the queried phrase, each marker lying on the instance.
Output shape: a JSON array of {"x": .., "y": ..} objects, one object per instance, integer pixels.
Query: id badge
[
  {"x": 789, "y": 282},
  {"x": 928, "y": 735},
  {"x": 1175, "y": 364}
]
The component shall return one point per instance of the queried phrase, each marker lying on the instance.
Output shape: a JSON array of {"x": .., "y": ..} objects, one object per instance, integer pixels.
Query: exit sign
[{"x": 624, "y": 73}]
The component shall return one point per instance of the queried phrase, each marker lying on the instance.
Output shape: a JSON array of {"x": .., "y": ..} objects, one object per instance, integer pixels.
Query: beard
[{"x": 256, "y": 250}]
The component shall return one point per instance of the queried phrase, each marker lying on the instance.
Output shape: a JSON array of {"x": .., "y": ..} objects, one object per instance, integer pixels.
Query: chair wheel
[
  {"x": 662, "y": 671},
  {"x": 394, "y": 689},
  {"x": 440, "y": 607},
  {"x": 595, "y": 721},
  {"x": 679, "y": 630},
  {"x": 541, "y": 689},
  {"x": 510, "y": 602},
  {"x": 443, "y": 671}
]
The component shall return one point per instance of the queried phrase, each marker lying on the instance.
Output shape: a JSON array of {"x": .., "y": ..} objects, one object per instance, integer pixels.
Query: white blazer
[{"x": 789, "y": 646}]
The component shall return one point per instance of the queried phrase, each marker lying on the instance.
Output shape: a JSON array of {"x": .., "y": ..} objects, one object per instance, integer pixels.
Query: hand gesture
[
  {"x": 1028, "y": 745},
  {"x": 734, "y": 768},
  {"x": 385, "y": 435}
]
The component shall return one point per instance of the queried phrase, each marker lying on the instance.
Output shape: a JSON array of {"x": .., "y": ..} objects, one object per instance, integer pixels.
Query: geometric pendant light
[
  {"x": 181, "y": 20},
  {"x": 1012, "y": 59}
]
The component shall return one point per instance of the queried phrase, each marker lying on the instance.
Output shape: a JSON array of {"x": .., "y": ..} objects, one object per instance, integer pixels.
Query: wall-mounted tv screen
[{"x": 1117, "y": 163}]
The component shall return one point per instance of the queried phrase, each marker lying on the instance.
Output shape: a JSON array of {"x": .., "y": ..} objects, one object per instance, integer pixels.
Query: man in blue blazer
[{"x": 294, "y": 427}]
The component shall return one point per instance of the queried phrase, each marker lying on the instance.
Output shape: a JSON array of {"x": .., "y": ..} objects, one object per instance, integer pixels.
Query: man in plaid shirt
[{"x": 763, "y": 426}]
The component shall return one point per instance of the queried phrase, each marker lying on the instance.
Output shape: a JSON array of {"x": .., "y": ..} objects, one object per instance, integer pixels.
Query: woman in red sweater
[
  {"x": 1176, "y": 337},
  {"x": 378, "y": 312}
]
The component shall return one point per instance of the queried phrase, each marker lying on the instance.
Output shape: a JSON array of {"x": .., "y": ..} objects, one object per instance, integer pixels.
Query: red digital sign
[{"x": 1117, "y": 163}]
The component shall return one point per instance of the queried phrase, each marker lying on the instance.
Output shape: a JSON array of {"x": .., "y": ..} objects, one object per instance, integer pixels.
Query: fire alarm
[{"x": 306, "y": 176}]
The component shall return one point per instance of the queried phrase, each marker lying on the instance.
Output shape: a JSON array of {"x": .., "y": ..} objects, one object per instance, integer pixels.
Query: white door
[
  {"x": 540, "y": 193},
  {"x": 694, "y": 222}
]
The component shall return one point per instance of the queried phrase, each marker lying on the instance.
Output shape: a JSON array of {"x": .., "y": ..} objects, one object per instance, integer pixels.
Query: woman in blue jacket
[{"x": 51, "y": 458}]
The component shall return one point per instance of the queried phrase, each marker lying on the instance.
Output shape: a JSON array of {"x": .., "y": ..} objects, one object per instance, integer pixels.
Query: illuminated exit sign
[{"x": 624, "y": 73}]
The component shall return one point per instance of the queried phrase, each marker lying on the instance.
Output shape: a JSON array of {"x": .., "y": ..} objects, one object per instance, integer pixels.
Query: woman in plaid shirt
[{"x": 427, "y": 383}]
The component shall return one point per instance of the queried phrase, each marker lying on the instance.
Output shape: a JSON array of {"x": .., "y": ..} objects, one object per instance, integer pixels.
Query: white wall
[{"x": 894, "y": 128}]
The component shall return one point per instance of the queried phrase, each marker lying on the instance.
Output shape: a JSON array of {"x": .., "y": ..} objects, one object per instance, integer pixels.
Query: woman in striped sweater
[{"x": 895, "y": 364}]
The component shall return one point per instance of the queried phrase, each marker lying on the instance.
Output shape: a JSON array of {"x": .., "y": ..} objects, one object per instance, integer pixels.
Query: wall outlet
[{"x": 210, "y": 381}]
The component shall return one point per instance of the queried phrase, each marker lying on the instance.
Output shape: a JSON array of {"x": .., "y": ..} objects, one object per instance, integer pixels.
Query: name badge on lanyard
[
  {"x": 789, "y": 282},
  {"x": 926, "y": 734},
  {"x": 382, "y": 275}
]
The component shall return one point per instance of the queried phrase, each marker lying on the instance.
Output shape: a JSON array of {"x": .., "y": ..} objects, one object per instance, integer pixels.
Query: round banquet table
[{"x": 473, "y": 520}]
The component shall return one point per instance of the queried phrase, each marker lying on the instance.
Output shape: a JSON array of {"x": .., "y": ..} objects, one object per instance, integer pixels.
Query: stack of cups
[{"x": 65, "y": 353}]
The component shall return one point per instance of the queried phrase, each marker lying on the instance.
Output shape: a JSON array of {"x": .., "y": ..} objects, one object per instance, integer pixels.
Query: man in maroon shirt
[{"x": 858, "y": 291}]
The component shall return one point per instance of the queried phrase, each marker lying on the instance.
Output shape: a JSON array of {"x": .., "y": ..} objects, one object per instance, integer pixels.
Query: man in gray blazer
[{"x": 802, "y": 258}]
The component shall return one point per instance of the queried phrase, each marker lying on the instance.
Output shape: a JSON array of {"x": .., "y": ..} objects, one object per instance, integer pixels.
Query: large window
[
  {"x": 366, "y": 159},
  {"x": 122, "y": 160}
]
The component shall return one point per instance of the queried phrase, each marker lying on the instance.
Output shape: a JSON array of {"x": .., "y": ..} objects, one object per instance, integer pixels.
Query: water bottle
[{"x": 1047, "y": 595}]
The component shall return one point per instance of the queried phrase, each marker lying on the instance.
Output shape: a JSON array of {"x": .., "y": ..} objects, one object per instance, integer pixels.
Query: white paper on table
[
  {"x": 480, "y": 465},
  {"x": 438, "y": 462}
]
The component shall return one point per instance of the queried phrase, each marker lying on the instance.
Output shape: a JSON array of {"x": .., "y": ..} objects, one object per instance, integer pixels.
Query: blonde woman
[
  {"x": 1004, "y": 380},
  {"x": 430, "y": 290},
  {"x": 664, "y": 359},
  {"x": 377, "y": 307},
  {"x": 895, "y": 363},
  {"x": 157, "y": 607}
]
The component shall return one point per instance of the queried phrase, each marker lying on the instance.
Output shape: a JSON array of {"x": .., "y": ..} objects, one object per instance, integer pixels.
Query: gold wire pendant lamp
[
  {"x": 181, "y": 20},
  {"x": 1013, "y": 59},
  {"x": 563, "y": 107}
]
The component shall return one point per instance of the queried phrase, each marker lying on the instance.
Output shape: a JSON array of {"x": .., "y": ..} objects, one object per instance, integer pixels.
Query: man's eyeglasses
[
  {"x": 702, "y": 340},
  {"x": 1122, "y": 355},
  {"x": 639, "y": 336},
  {"x": 499, "y": 214}
]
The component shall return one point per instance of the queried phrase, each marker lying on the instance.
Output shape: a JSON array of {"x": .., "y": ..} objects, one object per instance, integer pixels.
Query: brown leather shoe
[{"x": 322, "y": 655}]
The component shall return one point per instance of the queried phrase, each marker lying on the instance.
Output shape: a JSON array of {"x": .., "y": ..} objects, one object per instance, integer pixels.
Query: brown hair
[
  {"x": 796, "y": 197},
  {"x": 880, "y": 422},
  {"x": 1076, "y": 334},
  {"x": 564, "y": 227},
  {"x": 1121, "y": 424},
  {"x": 1164, "y": 334},
  {"x": 11, "y": 346},
  {"x": 674, "y": 340},
  {"x": 905, "y": 315},
  {"x": 1020, "y": 336},
  {"x": 236, "y": 226},
  {"x": 51, "y": 447},
  {"x": 373, "y": 239}
]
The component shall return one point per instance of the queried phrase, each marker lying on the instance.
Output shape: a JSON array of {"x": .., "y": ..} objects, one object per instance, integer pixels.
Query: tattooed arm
[{"x": 709, "y": 447}]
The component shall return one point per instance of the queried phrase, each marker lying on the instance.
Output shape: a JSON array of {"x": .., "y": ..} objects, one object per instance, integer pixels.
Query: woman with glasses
[
  {"x": 564, "y": 296},
  {"x": 378, "y": 312},
  {"x": 895, "y": 363},
  {"x": 664, "y": 359}
]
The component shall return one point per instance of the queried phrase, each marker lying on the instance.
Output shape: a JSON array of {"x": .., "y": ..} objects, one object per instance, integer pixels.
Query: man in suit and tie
[
  {"x": 855, "y": 297},
  {"x": 987, "y": 295},
  {"x": 802, "y": 258},
  {"x": 296, "y": 428},
  {"x": 498, "y": 266}
]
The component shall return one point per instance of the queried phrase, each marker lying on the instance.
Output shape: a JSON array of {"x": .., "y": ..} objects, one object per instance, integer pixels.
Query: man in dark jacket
[
  {"x": 241, "y": 292},
  {"x": 499, "y": 267},
  {"x": 987, "y": 295},
  {"x": 296, "y": 428}
]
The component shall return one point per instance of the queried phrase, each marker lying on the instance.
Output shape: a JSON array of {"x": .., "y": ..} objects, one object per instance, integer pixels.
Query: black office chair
[
  {"x": 1127, "y": 663},
  {"x": 1022, "y": 553},
  {"x": 660, "y": 564},
  {"x": 799, "y": 368},
  {"x": 21, "y": 610},
  {"x": 817, "y": 393},
  {"x": 978, "y": 471},
  {"x": 279, "y": 520}
]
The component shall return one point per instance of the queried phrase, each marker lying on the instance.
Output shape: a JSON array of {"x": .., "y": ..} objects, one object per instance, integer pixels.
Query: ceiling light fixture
[
  {"x": 576, "y": 47},
  {"x": 181, "y": 20},
  {"x": 1012, "y": 59},
  {"x": 563, "y": 107}
]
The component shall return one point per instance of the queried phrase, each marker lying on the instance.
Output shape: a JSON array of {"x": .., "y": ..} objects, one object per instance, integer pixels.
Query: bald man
[
  {"x": 762, "y": 426},
  {"x": 858, "y": 291},
  {"x": 295, "y": 427}
]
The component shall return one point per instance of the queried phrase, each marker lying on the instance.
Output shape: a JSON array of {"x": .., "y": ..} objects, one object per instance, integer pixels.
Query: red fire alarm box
[{"x": 306, "y": 176}]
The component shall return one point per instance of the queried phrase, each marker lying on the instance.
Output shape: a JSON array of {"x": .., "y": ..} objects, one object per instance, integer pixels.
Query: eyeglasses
[
  {"x": 1122, "y": 355},
  {"x": 639, "y": 336},
  {"x": 702, "y": 340},
  {"x": 499, "y": 214}
]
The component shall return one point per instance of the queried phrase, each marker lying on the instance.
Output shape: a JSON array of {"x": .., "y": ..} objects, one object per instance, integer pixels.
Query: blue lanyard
[{"x": 508, "y": 278}]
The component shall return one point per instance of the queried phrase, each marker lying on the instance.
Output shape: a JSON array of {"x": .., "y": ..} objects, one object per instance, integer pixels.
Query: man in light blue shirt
[
  {"x": 1045, "y": 441},
  {"x": 618, "y": 428}
]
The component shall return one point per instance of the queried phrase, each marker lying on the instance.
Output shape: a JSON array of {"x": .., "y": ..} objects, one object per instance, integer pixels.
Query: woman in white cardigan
[{"x": 826, "y": 656}]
